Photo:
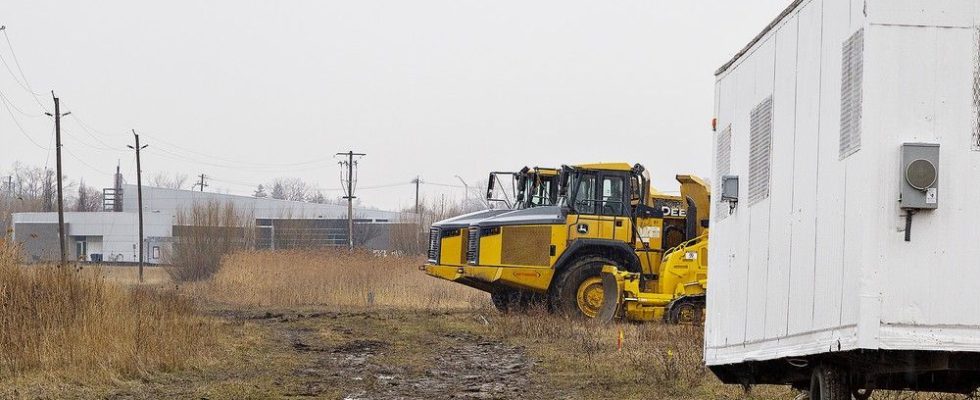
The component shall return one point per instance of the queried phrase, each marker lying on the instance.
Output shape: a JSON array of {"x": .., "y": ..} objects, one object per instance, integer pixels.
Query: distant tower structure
[{"x": 112, "y": 198}]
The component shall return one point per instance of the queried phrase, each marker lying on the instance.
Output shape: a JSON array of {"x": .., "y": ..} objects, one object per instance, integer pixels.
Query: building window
[{"x": 156, "y": 252}]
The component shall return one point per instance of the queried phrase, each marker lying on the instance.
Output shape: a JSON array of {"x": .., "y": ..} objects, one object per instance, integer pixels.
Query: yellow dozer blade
[{"x": 612, "y": 294}]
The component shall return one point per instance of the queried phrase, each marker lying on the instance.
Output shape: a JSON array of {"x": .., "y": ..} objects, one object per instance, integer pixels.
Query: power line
[
  {"x": 89, "y": 145},
  {"x": 13, "y": 54},
  {"x": 442, "y": 185},
  {"x": 79, "y": 159},
  {"x": 18, "y": 109},
  {"x": 246, "y": 163},
  {"x": 20, "y": 128},
  {"x": 92, "y": 134}
]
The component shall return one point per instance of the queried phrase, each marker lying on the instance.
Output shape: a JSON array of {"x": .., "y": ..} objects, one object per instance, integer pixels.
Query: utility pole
[
  {"x": 350, "y": 164},
  {"x": 418, "y": 218},
  {"x": 139, "y": 195},
  {"x": 201, "y": 184},
  {"x": 417, "y": 181},
  {"x": 61, "y": 199}
]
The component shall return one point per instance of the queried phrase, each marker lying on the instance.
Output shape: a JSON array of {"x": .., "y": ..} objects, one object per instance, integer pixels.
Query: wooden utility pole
[
  {"x": 350, "y": 164},
  {"x": 139, "y": 195},
  {"x": 61, "y": 199},
  {"x": 201, "y": 184},
  {"x": 417, "y": 181}
]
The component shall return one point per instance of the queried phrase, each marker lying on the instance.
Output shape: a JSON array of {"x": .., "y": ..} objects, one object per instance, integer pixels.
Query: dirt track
[
  {"x": 382, "y": 354},
  {"x": 364, "y": 365}
]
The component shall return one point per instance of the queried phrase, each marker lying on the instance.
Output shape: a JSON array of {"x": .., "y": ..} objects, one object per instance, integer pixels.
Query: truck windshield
[{"x": 538, "y": 191}]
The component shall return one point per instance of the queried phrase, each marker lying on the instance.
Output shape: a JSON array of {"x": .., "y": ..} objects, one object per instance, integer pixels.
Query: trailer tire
[
  {"x": 577, "y": 288},
  {"x": 862, "y": 394},
  {"x": 829, "y": 383}
]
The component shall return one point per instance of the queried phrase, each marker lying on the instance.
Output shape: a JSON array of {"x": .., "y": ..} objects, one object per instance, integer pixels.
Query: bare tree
[
  {"x": 296, "y": 189},
  {"x": 48, "y": 191},
  {"x": 169, "y": 181},
  {"x": 89, "y": 198},
  {"x": 293, "y": 189}
]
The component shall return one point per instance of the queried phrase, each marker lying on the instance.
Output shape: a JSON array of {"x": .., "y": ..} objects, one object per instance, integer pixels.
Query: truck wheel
[
  {"x": 686, "y": 311},
  {"x": 505, "y": 300},
  {"x": 829, "y": 383},
  {"x": 578, "y": 290},
  {"x": 512, "y": 300}
]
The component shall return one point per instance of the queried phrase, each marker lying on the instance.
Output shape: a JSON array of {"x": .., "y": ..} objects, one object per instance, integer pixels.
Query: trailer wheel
[
  {"x": 862, "y": 394},
  {"x": 578, "y": 290},
  {"x": 829, "y": 383}
]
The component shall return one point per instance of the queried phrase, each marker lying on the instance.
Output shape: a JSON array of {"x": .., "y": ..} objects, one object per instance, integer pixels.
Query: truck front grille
[
  {"x": 473, "y": 246},
  {"x": 435, "y": 241}
]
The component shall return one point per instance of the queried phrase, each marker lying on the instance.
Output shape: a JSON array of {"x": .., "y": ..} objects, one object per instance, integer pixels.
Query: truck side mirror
[
  {"x": 729, "y": 191},
  {"x": 490, "y": 187}
]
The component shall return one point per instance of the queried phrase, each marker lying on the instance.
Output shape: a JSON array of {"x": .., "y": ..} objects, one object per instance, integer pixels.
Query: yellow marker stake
[{"x": 619, "y": 341}]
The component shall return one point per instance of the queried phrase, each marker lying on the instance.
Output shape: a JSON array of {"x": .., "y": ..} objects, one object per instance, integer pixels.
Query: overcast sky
[{"x": 246, "y": 91}]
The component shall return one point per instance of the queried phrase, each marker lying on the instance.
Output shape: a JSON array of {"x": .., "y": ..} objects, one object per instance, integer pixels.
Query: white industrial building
[
  {"x": 112, "y": 235},
  {"x": 93, "y": 236},
  {"x": 173, "y": 202}
]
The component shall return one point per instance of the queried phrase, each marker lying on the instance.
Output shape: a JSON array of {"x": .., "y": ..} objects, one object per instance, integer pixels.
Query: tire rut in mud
[{"x": 459, "y": 366}]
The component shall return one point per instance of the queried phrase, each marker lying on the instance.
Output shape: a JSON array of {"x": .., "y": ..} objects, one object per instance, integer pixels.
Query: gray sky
[{"x": 245, "y": 91}]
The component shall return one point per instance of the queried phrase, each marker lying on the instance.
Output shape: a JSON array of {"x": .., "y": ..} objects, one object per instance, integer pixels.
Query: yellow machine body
[
  {"x": 684, "y": 275},
  {"x": 558, "y": 252}
]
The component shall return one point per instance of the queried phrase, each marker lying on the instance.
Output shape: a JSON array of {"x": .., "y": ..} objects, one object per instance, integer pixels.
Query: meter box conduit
[{"x": 849, "y": 123}]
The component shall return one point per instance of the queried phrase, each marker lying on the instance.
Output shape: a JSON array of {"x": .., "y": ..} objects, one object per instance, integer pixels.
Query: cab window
[
  {"x": 585, "y": 194},
  {"x": 612, "y": 195}
]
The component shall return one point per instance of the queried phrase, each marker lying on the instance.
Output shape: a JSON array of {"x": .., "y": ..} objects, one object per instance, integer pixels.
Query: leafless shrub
[
  {"x": 203, "y": 235},
  {"x": 176, "y": 181}
]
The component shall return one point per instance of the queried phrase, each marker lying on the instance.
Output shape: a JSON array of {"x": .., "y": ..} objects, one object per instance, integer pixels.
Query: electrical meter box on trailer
[{"x": 843, "y": 119}]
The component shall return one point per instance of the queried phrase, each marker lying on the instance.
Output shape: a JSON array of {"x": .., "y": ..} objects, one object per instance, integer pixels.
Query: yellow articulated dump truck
[
  {"x": 532, "y": 187},
  {"x": 605, "y": 216}
]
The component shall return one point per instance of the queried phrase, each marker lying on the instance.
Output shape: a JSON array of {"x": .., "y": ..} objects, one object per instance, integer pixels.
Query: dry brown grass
[
  {"x": 335, "y": 278},
  {"x": 655, "y": 361},
  {"x": 74, "y": 325},
  {"x": 129, "y": 276}
]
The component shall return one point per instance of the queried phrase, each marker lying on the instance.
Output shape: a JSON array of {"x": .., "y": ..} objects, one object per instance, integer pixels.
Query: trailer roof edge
[{"x": 772, "y": 25}]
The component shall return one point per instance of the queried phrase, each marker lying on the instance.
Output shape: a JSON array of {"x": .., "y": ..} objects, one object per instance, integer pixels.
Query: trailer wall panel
[
  {"x": 802, "y": 223},
  {"x": 781, "y": 193}
]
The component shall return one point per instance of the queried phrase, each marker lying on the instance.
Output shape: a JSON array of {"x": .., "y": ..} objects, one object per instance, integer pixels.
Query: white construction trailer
[{"x": 845, "y": 249}]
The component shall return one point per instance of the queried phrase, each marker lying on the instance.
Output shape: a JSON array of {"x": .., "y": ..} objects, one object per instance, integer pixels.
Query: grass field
[{"x": 327, "y": 324}]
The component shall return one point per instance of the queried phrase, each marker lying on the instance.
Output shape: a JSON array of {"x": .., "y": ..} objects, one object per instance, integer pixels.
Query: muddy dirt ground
[{"x": 355, "y": 355}]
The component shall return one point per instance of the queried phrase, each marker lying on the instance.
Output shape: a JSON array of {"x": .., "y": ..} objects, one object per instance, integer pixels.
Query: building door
[{"x": 81, "y": 250}]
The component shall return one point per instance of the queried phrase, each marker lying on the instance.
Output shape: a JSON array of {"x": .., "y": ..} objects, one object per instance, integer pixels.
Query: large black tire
[
  {"x": 829, "y": 383},
  {"x": 565, "y": 293},
  {"x": 513, "y": 300},
  {"x": 686, "y": 311},
  {"x": 505, "y": 300},
  {"x": 862, "y": 394}
]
